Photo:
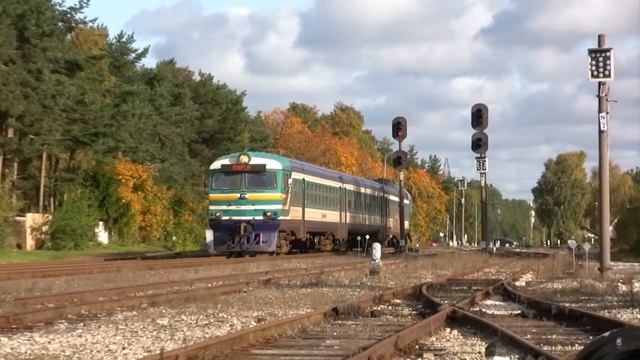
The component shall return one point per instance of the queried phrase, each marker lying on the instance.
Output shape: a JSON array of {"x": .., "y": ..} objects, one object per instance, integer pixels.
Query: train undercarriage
[{"x": 239, "y": 238}]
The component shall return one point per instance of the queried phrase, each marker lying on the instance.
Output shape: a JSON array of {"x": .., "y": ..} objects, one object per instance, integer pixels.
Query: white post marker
[
  {"x": 572, "y": 244},
  {"x": 208, "y": 235},
  {"x": 359, "y": 238},
  {"x": 376, "y": 257},
  {"x": 376, "y": 252},
  {"x": 586, "y": 246}
]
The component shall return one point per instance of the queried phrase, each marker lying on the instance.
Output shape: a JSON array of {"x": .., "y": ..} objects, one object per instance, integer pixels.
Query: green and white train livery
[{"x": 266, "y": 203}]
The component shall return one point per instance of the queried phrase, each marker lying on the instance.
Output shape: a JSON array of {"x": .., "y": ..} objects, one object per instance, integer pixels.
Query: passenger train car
[{"x": 266, "y": 203}]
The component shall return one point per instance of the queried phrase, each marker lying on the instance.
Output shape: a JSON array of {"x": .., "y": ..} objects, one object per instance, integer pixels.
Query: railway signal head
[
  {"x": 399, "y": 159},
  {"x": 479, "y": 117},
  {"x": 480, "y": 142},
  {"x": 600, "y": 64},
  {"x": 399, "y": 128}
]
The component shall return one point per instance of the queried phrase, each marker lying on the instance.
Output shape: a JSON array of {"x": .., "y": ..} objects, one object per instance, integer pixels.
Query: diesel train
[{"x": 266, "y": 203}]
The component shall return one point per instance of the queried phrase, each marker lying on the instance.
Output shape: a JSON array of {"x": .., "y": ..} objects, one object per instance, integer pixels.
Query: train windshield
[
  {"x": 250, "y": 180},
  {"x": 226, "y": 181},
  {"x": 260, "y": 180}
]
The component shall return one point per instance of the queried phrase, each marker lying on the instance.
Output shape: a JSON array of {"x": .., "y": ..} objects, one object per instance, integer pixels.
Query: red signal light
[{"x": 399, "y": 128}]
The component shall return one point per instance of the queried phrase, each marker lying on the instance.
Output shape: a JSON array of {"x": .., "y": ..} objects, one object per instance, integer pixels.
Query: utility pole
[
  {"x": 43, "y": 171},
  {"x": 462, "y": 185},
  {"x": 475, "y": 238},
  {"x": 455, "y": 190},
  {"x": 484, "y": 227},
  {"x": 601, "y": 69},
  {"x": 14, "y": 172},
  {"x": 532, "y": 219},
  {"x": 462, "y": 234},
  {"x": 447, "y": 233}
]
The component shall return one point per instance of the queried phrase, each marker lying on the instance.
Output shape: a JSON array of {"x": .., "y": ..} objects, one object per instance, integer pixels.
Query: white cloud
[{"x": 429, "y": 61}]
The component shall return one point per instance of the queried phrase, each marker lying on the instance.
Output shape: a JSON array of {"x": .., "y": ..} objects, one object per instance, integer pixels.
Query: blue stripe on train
[{"x": 257, "y": 235}]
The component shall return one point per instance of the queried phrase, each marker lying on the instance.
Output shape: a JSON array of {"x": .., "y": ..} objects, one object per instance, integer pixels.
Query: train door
[
  {"x": 303, "y": 230},
  {"x": 344, "y": 215},
  {"x": 340, "y": 215}
]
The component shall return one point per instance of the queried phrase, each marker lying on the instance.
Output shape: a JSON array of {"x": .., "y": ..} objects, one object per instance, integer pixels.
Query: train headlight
[
  {"x": 217, "y": 215},
  {"x": 244, "y": 158},
  {"x": 268, "y": 214}
]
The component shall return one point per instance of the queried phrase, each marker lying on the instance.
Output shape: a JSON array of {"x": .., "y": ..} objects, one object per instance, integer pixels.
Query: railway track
[
  {"x": 344, "y": 335},
  {"x": 621, "y": 296},
  {"x": 526, "y": 325},
  {"x": 338, "y": 332},
  {"x": 379, "y": 326},
  {"x": 88, "y": 267},
  {"x": 48, "y": 308}
]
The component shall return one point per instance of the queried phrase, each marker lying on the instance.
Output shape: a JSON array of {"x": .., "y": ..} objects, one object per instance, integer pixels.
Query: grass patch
[{"x": 17, "y": 256}]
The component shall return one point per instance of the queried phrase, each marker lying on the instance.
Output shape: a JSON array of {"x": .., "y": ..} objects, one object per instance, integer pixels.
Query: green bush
[
  {"x": 187, "y": 230},
  {"x": 116, "y": 213},
  {"x": 73, "y": 224},
  {"x": 628, "y": 229}
]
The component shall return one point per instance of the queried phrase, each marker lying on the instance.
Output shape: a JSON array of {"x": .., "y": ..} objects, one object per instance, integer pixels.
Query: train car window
[
  {"x": 226, "y": 181},
  {"x": 260, "y": 180}
]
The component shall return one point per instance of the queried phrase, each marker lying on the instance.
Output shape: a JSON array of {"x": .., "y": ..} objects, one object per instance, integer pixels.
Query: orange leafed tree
[
  {"x": 149, "y": 201},
  {"x": 327, "y": 147},
  {"x": 429, "y": 201},
  {"x": 293, "y": 138}
]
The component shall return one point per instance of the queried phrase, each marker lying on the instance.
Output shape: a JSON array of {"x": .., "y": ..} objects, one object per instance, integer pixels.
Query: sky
[{"x": 426, "y": 60}]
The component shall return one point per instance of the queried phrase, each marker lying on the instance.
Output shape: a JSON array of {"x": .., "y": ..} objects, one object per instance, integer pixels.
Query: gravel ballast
[{"x": 133, "y": 334}]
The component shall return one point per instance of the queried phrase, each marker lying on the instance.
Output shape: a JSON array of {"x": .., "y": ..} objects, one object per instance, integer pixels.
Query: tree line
[
  {"x": 109, "y": 138},
  {"x": 566, "y": 201},
  {"x": 118, "y": 141},
  {"x": 129, "y": 144}
]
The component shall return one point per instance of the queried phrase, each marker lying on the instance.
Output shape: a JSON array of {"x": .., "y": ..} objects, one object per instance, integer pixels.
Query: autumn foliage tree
[
  {"x": 337, "y": 141},
  {"x": 428, "y": 204},
  {"x": 293, "y": 137},
  {"x": 149, "y": 201}
]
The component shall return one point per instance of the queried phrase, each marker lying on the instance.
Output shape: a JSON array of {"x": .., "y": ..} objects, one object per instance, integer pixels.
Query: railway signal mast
[
  {"x": 480, "y": 145},
  {"x": 600, "y": 67},
  {"x": 400, "y": 160}
]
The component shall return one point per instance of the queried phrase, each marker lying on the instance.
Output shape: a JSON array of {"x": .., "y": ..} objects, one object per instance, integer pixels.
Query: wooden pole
[{"x": 43, "y": 170}]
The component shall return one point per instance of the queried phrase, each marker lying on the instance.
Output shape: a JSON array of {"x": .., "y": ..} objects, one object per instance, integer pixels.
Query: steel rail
[
  {"x": 219, "y": 346},
  {"x": 50, "y": 314},
  {"x": 96, "y": 294},
  {"x": 99, "y": 267},
  {"x": 570, "y": 314},
  {"x": 427, "y": 327}
]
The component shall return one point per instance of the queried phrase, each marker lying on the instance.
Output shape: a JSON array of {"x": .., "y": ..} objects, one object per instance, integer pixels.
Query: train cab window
[
  {"x": 260, "y": 180},
  {"x": 226, "y": 181}
]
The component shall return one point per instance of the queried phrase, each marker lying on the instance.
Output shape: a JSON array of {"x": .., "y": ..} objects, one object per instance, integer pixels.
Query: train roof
[{"x": 319, "y": 171}]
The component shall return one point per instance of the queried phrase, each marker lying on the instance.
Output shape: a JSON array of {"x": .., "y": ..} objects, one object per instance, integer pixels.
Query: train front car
[{"x": 246, "y": 194}]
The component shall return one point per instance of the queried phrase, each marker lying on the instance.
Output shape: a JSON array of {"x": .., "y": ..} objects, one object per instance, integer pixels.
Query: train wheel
[{"x": 283, "y": 245}]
